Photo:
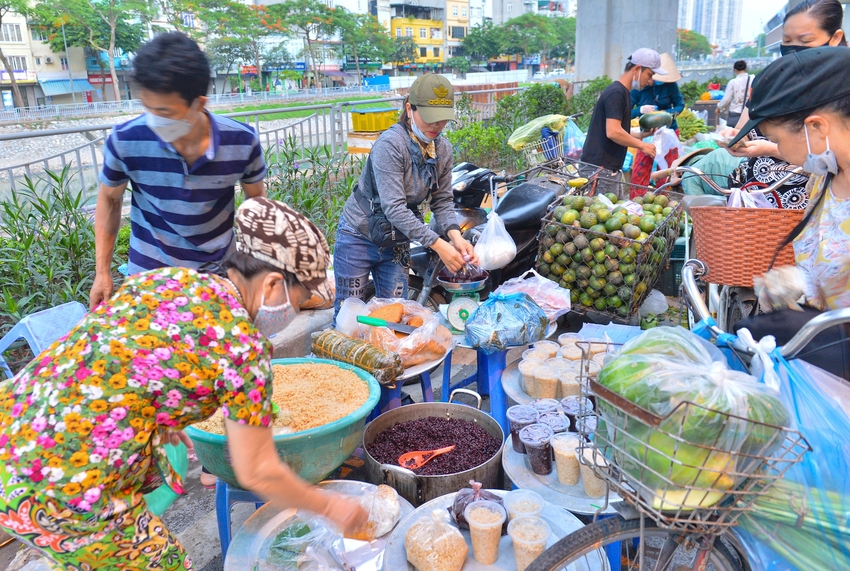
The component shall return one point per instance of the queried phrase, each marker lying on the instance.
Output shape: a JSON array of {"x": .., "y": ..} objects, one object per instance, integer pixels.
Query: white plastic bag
[
  {"x": 495, "y": 248},
  {"x": 552, "y": 298},
  {"x": 740, "y": 198},
  {"x": 665, "y": 139},
  {"x": 654, "y": 304}
]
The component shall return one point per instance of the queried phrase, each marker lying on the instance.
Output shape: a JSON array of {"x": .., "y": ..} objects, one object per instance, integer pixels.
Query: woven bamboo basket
[{"x": 738, "y": 244}]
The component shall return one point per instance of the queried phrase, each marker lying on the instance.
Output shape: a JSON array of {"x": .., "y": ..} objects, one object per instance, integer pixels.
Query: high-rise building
[{"x": 717, "y": 20}]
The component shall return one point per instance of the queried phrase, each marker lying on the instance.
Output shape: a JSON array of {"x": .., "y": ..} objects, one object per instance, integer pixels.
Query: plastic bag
[
  {"x": 654, "y": 304},
  {"x": 551, "y": 143},
  {"x": 504, "y": 321},
  {"x": 531, "y": 131},
  {"x": 742, "y": 199},
  {"x": 430, "y": 341},
  {"x": 665, "y": 140},
  {"x": 433, "y": 544},
  {"x": 495, "y": 247},
  {"x": 384, "y": 509},
  {"x": 466, "y": 496},
  {"x": 552, "y": 298},
  {"x": 304, "y": 544},
  {"x": 661, "y": 369},
  {"x": 574, "y": 140},
  {"x": 802, "y": 523},
  {"x": 627, "y": 163}
]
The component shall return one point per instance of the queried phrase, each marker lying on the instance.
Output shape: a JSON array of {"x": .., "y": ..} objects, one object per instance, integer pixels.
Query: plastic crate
[
  {"x": 671, "y": 279},
  {"x": 373, "y": 119}
]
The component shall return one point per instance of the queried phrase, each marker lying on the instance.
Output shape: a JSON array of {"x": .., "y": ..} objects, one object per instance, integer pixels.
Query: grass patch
[{"x": 293, "y": 114}]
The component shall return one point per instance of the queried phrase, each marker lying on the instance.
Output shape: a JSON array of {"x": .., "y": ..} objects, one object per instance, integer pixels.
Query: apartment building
[
  {"x": 457, "y": 25},
  {"x": 424, "y": 21}
]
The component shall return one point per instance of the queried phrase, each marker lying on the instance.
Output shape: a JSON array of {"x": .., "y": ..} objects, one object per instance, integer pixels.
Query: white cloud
[{"x": 756, "y": 14}]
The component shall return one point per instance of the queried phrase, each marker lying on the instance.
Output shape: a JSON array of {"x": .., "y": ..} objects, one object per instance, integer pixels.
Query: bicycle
[{"x": 698, "y": 538}]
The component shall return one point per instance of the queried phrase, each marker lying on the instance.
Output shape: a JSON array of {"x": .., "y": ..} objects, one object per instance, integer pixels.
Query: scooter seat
[{"x": 525, "y": 205}]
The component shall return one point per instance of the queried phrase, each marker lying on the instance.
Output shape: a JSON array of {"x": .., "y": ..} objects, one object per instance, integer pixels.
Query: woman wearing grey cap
[
  {"x": 83, "y": 426},
  {"x": 409, "y": 166}
]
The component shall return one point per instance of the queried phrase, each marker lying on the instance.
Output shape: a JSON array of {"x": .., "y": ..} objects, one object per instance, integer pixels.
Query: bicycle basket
[
  {"x": 737, "y": 244},
  {"x": 544, "y": 150},
  {"x": 678, "y": 483}
]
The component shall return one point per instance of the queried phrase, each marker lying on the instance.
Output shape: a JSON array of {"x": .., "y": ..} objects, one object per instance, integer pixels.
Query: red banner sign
[{"x": 95, "y": 78}]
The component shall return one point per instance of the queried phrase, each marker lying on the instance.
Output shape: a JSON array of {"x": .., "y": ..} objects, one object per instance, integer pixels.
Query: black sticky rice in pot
[{"x": 474, "y": 445}]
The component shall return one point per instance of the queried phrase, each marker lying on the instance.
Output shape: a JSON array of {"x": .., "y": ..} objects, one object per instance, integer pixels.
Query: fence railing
[{"x": 310, "y": 126}]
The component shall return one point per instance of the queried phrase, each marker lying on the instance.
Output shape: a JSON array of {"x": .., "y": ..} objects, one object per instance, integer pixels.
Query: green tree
[
  {"x": 692, "y": 44},
  {"x": 225, "y": 52},
  {"x": 361, "y": 36},
  {"x": 19, "y": 7},
  {"x": 460, "y": 64},
  {"x": 758, "y": 50},
  {"x": 309, "y": 19},
  {"x": 563, "y": 46},
  {"x": 483, "y": 42},
  {"x": 404, "y": 50},
  {"x": 527, "y": 34}
]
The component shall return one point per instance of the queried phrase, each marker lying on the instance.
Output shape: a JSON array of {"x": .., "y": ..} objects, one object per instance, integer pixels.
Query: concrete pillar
[{"x": 608, "y": 31}]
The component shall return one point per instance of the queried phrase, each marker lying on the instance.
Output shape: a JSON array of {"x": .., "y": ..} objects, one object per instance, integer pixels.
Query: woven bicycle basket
[{"x": 738, "y": 244}]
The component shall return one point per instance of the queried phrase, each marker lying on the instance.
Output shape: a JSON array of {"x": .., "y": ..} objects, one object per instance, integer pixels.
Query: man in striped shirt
[{"x": 182, "y": 163}]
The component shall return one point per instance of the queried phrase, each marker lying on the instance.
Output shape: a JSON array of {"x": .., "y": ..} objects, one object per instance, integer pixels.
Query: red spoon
[{"x": 417, "y": 459}]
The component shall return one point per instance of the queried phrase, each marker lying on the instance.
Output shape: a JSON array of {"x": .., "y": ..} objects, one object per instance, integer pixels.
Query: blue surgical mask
[
  {"x": 821, "y": 163},
  {"x": 418, "y": 132},
  {"x": 170, "y": 130},
  {"x": 271, "y": 320}
]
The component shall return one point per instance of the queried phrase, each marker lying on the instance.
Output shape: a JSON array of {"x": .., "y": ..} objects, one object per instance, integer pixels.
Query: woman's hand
[
  {"x": 753, "y": 149},
  {"x": 346, "y": 512},
  {"x": 466, "y": 249},
  {"x": 450, "y": 256}
]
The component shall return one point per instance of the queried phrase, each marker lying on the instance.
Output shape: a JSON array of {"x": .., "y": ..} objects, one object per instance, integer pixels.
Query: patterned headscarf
[{"x": 273, "y": 232}]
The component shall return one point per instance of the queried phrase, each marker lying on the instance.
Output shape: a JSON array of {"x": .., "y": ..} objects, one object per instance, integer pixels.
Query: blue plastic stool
[
  {"x": 488, "y": 380},
  {"x": 42, "y": 328},
  {"x": 391, "y": 397},
  {"x": 225, "y": 497}
]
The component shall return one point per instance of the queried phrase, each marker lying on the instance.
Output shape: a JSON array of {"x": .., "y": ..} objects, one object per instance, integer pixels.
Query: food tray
[
  {"x": 650, "y": 258},
  {"x": 561, "y": 522},
  {"x": 550, "y": 489},
  {"x": 251, "y": 543}
]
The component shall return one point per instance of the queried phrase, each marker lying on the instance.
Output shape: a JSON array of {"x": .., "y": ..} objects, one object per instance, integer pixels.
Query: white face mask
[
  {"x": 636, "y": 79},
  {"x": 169, "y": 130},
  {"x": 271, "y": 320},
  {"x": 418, "y": 132},
  {"x": 821, "y": 163}
]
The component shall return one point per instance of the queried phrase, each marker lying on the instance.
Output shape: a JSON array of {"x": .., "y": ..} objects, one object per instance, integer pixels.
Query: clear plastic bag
[
  {"x": 495, "y": 247},
  {"x": 430, "y": 341},
  {"x": 531, "y": 131},
  {"x": 742, "y": 199},
  {"x": 504, "y": 321},
  {"x": 804, "y": 521},
  {"x": 384, "y": 509},
  {"x": 654, "y": 304},
  {"x": 433, "y": 544},
  {"x": 574, "y": 140},
  {"x": 303, "y": 544},
  {"x": 552, "y": 298},
  {"x": 466, "y": 496}
]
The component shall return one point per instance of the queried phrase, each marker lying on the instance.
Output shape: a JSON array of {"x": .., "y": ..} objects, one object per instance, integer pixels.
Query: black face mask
[{"x": 785, "y": 50}]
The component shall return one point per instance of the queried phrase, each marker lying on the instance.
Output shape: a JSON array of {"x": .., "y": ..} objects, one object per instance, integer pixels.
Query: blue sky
[{"x": 757, "y": 13}]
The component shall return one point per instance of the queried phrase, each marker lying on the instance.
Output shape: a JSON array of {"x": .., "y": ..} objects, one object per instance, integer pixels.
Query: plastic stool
[
  {"x": 42, "y": 328},
  {"x": 391, "y": 397},
  {"x": 225, "y": 497},
  {"x": 488, "y": 380}
]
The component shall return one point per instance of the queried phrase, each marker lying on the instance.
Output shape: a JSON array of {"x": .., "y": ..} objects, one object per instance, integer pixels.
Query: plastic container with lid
[
  {"x": 520, "y": 416},
  {"x": 586, "y": 424},
  {"x": 569, "y": 338},
  {"x": 529, "y": 536},
  {"x": 560, "y": 363},
  {"x": 535, "y": 355},
  {"x": 549, "y": 346},
  {"x": 596, "y": 346},
  {"x": 485, "y": 519},
  {"x": 557, "y": 421},
  {"x": 522, "y": 503},
  {"x": 564, "y": 447},
  {"x": 568, "y": 384},
  {"x": 526, "y": 374},
  {"x": 546, "y": 381},
  {"x": 571, "y": 351},
  {"x": 544, "y": 405},
  {"x": 537, "y": 440},
  {"x": 593, "y": 486},
  {"x": 575, "y": 406}
]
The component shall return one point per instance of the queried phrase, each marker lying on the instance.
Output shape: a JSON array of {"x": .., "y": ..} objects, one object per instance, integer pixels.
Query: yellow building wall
[{"x": 428, "y": 42}]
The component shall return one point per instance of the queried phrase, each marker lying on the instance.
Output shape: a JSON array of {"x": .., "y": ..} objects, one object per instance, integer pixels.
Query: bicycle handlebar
[
  {"x": 695, "y": 268},
  {"x": 695, "y": 171}
]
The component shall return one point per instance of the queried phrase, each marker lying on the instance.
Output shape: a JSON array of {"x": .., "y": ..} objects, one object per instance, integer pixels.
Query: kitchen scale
[{"x": 465, "y": 298}]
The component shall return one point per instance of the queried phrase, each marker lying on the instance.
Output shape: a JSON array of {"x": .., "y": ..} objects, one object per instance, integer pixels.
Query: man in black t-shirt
[{"x": 610, "y": 135}]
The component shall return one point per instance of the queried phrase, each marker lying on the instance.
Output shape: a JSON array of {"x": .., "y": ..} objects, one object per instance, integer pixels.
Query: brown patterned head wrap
[{"x": 273, "y": 232}]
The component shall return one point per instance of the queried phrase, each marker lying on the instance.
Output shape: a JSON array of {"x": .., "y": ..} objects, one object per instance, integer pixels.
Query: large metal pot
[{"x": 420, "y": 489}]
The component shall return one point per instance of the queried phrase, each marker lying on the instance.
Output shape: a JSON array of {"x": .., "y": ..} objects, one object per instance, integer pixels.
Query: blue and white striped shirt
[{"x": 181, "y": 215}]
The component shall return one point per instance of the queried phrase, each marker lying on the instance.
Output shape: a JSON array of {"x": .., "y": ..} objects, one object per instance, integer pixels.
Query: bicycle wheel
[{"x": 661, "y": 545}]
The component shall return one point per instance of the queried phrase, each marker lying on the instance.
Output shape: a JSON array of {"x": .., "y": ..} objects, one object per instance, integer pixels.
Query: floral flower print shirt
[
  {"x": 822, "y": 250},
  {"x": 84, "y": 421}
]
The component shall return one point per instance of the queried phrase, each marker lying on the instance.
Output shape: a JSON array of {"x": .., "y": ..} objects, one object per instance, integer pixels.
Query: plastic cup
[
  {"x": 526, "y": 373},
  {"x": 576, "y": 406},
  {"x": 593, "y": 368},
  {"x": 571, "y": 351},
  {"x": 537, "y": 440},
  {"x": 522, "y": 503},
  {"x": 593, "y": 486},
  {"x": 535, "y": 355},
  {"x": 569, "y": 338},
  {"x": 544, "y": 405},
  {"x": 485, "y": 520},
  {"x": 546, "y": 380},
  {"x": 596, "y": 346},
  {"x": 566, "y": 460},
  {"x": 529, "y": 536},
  {"x": 346, "y": 319},
  {"x": 550, "y": 347},
  {"x": 520, "y": 416},
  {"x": 556, "y": 421},
  {"x": 568, "y": 384},
  {"x": 586, "y": 425},
  {"x": 599, "y": 359}
]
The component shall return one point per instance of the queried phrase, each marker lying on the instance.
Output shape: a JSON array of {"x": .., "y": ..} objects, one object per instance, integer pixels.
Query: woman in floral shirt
[{"x": 82, "y": 426}]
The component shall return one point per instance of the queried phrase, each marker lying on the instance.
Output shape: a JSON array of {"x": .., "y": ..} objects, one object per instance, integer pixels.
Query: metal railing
[{"x": 321, "y": 125}]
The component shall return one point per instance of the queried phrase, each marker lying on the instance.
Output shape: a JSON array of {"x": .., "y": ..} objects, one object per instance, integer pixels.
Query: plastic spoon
[{"x": 417, "y": 459}]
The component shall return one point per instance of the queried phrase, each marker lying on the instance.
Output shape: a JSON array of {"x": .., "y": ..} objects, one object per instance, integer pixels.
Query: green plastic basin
[{"x": 313, "y": 454}]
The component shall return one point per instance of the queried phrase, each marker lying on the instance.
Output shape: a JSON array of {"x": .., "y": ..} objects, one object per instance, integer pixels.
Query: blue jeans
[{"x": 356, "y": 256}]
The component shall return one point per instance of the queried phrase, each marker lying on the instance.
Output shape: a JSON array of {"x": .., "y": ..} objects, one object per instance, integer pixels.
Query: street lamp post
[{"x": 68, "y": 59}]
